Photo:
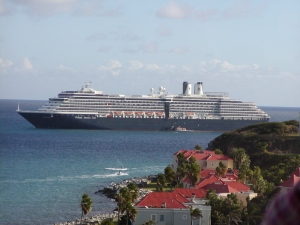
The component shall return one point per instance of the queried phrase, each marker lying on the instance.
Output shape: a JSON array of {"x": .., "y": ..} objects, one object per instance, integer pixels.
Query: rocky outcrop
[{"x": 111, "y": 192}]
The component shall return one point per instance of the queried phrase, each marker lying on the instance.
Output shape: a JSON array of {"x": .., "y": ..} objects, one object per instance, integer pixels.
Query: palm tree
[
  {"x": 232, "y": 209},
  {"x": 86, "y": 205},
  {"x": 106, "y": 222},
  {"x": 198, "y": 147},
  {"x": 161, "y": 182},
  {"x": 170, "y": 177},
  {"x": 134, "y": 191},
  {"x": 195, "y": 213},
  {"x": 130, "y": 212},
  {"x": 221, "y": 169},
  {"x": 169, "y": 173},
  {"x": 193, "y": 171},
  {"x": 127, "y": 195},
  {"x": 150, "y": 222}
]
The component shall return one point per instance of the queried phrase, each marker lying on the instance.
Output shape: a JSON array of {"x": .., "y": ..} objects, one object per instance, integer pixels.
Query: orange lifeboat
[{"x": 128, "y": 113}]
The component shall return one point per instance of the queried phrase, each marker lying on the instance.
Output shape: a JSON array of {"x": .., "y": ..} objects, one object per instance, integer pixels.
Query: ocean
[{"x": 43, "y": 173}]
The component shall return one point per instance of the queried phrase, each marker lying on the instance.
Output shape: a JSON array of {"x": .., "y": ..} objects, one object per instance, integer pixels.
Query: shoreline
[{"x": 110, "y": 192}]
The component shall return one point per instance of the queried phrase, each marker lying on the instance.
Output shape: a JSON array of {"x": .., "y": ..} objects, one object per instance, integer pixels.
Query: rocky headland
[{"x": 111, "y": 191}]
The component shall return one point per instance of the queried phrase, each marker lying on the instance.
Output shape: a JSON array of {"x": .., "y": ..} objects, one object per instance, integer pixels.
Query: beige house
[{"x": 205, "y": 159}]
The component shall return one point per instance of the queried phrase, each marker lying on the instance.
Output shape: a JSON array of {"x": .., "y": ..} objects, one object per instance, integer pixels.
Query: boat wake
[
  {"x": 65, "y": 178},
  {"x": 117, "y": 169}
]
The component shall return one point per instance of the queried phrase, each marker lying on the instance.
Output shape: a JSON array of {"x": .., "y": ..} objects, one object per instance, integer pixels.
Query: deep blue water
[{"x": 43, "y": 173}]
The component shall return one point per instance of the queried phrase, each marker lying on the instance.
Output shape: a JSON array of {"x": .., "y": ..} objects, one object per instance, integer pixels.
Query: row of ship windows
[
  {"x": 157, "y": 102},
  {"x": 231, "y": 107},
  {"x": 211, "y": 113},
  {"x": 156, "y": 108},
  {"x": 171, "y": 110},
  {"x": 171, "y": 107}
]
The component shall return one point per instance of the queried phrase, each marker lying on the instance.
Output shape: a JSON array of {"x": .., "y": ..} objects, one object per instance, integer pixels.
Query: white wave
[
  {"x": 65, "y": 178},
  {"x": 116, "y": 169}
]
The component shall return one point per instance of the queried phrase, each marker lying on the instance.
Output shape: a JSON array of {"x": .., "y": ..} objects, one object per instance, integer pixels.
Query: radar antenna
[{"x": 87, "y": 84}]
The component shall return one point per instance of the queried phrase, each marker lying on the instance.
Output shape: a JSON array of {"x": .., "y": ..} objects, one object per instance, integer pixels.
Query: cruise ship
[{"x": 157, "y": 111}]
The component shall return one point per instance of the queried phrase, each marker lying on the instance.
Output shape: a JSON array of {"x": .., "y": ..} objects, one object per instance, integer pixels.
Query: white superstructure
[{"x": 200, "y": 105}]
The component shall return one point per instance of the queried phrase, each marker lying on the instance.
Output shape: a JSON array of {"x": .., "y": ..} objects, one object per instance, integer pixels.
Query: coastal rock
[{"x": 111, "y": 191}]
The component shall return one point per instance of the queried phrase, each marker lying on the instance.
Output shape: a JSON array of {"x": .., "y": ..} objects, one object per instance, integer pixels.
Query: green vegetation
[
  {"x": 150, "y": 222},
  {"x": 273, "y": 147},
  {"x": 86, "y": 205},
  {"x": 218, "y": 152},
  {"x": 221, "y": 169},
  {"x": 195, "y": 213},
  {"x": 125, "y": 198},
  {"x": 198, "y": 147},
  {"x": 224, "y": 210},
  {"x": 265, "y": 155},
  {"x": 106, "y": 222}
]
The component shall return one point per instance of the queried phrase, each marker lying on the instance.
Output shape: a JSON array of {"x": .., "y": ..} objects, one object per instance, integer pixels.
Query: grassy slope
[{"x": 271, "y": 146}]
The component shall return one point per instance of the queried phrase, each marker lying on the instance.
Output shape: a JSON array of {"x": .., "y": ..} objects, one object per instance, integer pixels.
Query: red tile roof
[
  {"x": 220, "y": 187},
  {"x": 293, "y": 179},
  {"x": 207, "y": 172},
  {"x": 238, "y": 185},
  {"x": 157, "y": 199},
  {"x": 208, "y": 180},
  {"x": 202, "y": 155},
  {"x": 188, "y": 192},
  {"x": 297, "y": 172},
  {"x": 213, "y": 179}
]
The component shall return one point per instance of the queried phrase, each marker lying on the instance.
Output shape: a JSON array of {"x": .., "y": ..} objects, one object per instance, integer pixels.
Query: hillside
[{"x": 274, "y": 147}]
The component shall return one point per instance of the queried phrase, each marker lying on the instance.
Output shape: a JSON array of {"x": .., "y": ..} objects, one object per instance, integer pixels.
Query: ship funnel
[
  {"x": 187, "y": 88},
  {"x": 198, "y": 88}
]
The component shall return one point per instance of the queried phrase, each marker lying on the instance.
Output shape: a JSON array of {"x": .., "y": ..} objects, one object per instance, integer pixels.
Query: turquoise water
[{"x": 45, "y": 172}]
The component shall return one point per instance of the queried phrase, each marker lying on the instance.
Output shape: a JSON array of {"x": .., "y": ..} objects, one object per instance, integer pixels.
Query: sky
[{"x": 250, "y": 49}]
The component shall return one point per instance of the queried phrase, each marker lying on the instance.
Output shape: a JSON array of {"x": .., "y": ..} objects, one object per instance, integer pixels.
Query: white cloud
[
  {"x": 25, "y": 64},
  {"x": 5, "y": 9},
  {"x": 226, "y": 67},
  {"x": 152, "y": 67},
  {"x": 164, "y": 32},
  {"x": 149, "y": 47},
  {"x": 129, "y": 37},
  {"x": 187, "y": 68},
  {"x": 46, "y": 7},
  {"x": 205, "y": 15},
  {"x": 241, "y": 9},
  {"x": 174, "y": 10},
  {"x": 112, "y": 67},
  {"x": 65, "y": 68},
  {"x": 104, "y": 49},
  {"x": 180, "y": 50},
  {"x": 128, "y": 50},
  {"x": 97, "y": 37},
  {"x": 135, "y": 65},
  {"x": 170, "y": 67},
  {"x": 96, "y": 8},
  {"x": 5, "y": 65}
]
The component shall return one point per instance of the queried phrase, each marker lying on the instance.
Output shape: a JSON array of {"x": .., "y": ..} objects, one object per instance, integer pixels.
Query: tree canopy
[{"x": 86, "y": 205}]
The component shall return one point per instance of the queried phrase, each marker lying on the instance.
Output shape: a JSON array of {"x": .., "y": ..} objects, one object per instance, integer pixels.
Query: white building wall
[{"x": 172, "y": 216}]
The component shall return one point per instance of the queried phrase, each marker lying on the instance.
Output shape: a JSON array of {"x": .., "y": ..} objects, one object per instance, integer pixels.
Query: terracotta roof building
[
  {"x": 173, "y": 207},
  {"x": 206, "y": 159},
  {"x": 291, "y": 182}
]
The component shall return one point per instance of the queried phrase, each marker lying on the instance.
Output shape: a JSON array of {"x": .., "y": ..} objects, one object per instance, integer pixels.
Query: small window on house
[
  {"x": 162, "y": 218},
  {"x": 153, "y": 217},
  {"x": 184, "y": 217}
]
